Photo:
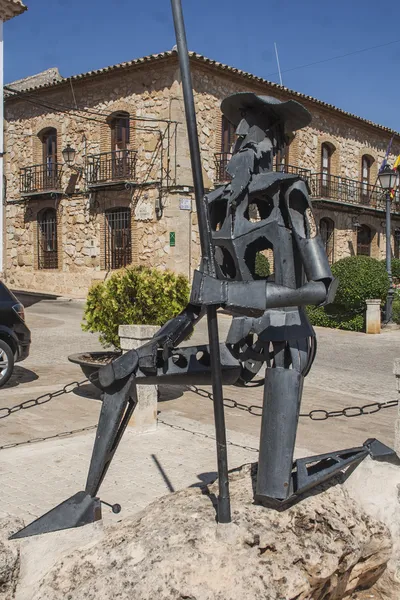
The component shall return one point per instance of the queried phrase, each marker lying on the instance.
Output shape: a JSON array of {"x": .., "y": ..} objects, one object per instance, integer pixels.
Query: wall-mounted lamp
[
  {"x": 68, "y": 155},
  {"x": 356, "y": 223}
]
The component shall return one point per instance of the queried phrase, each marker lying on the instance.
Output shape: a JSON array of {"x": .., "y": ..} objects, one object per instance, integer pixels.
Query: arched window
[
  {"x": 326, "y": 155},
  {"x": 227, "y": 136},
  {"x": 47, "y": 239},
  {"x": 364, "y": 238},
  {"x": 118, "y": 246},
  {"x": 120, "y": 138},
  {"x": 366, "y": 163},
  {"x": 48, "y": 137},
  {"x": 282, "y": 160},
  {"x": 327, "y": 232}
]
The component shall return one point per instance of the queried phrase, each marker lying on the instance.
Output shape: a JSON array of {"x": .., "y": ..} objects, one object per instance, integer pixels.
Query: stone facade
[{"x": 160, "y": 199}]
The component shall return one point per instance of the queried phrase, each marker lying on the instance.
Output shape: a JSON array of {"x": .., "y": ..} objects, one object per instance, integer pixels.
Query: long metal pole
[
  {"x": 224, "y": 507},
  {"x": 389, "y": 298}
]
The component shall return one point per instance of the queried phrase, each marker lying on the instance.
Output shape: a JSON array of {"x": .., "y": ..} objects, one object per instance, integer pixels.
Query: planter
[{"x": 91, "y": 362}]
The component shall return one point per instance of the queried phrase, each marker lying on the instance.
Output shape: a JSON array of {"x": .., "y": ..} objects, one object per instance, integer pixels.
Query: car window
[{"x": 5, "y": 293}]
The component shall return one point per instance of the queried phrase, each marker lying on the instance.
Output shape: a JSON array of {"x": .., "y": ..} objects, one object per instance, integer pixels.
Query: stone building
[{"x": 97, "y": 171}]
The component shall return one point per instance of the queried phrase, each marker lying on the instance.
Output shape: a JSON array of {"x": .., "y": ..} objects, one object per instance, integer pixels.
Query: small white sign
[
  {"x": 185, "y": 203},
  {"x": 144, "y": 212}
]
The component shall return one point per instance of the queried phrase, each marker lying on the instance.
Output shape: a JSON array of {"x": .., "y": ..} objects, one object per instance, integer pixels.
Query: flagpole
[{"x": 224, "y": 507}]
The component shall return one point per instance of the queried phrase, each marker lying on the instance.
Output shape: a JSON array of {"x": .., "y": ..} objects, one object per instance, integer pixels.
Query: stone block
[
  {"x": 373, "y": 319},
  {"x": 144, "y": 418}
]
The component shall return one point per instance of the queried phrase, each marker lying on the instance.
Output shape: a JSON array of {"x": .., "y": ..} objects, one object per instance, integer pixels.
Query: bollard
[
  {"x": 396, "y": 371},
  {"x": 144, "y": 418},
  {"x": 373, "y": 319}
]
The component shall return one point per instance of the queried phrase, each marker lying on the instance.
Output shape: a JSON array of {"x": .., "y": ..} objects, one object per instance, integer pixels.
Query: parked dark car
[{"x": 15, "y": 337}]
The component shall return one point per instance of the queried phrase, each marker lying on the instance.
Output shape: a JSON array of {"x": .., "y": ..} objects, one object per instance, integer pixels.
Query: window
[
  {"x": 366, "y": 162},
  {"x": 282, "y": 159},
  {"x": 326, "y": 153},
  {"x": 120, "y": 131},
  {"x": 118, "y": 238},
  {"x": 48, "y": 138},
  {"x": 47, "y": 239},
  {"x": 120, "y": 138},
  {"x": 327, "y": 232},
  {"x": 364, "y": 238},
  {"x": 228, "y": 136}
]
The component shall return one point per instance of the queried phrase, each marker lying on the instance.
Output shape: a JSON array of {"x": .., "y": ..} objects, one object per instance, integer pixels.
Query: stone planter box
[{"x": 144, "y": 418}]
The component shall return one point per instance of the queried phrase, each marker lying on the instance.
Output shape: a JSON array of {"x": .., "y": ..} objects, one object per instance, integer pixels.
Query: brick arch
[
  {"x": 105, "y": 130},
  {"x": 39, "y": 127},
  {"x": 335, "y": 155}
]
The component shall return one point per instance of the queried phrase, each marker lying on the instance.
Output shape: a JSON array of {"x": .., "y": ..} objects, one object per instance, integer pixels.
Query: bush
[
  {"x": 262, "y": 268},
  {"x": 136, "y": 295},
  {"x": 395, "y": 267},
  {"x": 360, "y": 278},
  {"x": 396, "y": 308}
]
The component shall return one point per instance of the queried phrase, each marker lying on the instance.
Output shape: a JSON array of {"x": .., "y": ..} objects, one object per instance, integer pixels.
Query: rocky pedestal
[
  {"x": 325, "y": 547},
  {"x": 144, "y": 418}
]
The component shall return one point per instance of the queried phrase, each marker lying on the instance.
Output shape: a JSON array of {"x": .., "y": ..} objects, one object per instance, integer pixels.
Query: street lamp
[
  {"x": 69, "y": 155},
  {"x": 388, "y": 180}
]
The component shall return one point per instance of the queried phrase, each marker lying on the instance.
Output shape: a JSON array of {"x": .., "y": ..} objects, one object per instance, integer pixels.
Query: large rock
[
  {"x": 323, "y": 548},
  {"x": 9, "y": 557}
]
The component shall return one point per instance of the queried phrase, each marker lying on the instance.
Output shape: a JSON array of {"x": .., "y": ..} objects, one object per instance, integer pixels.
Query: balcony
[
  {"x": 111, "y": 167},
  {"x": 348, "y": 191},
  {"x": 222, "y": 159},
  {"x": 40, "y": 179}
]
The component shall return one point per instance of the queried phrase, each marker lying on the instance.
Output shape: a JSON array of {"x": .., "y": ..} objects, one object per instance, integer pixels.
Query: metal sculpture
[{"x": 258, "y": 210}]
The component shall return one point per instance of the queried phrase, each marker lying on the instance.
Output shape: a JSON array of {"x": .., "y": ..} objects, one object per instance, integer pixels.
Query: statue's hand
[{"x": 148, "y": 353}]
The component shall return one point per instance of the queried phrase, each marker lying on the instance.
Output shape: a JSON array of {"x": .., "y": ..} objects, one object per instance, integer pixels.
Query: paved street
[{"x": 350, "y": 369}]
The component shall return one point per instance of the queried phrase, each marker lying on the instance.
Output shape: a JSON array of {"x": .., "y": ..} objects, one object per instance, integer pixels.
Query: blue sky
[{"x": 80, "y": 35}]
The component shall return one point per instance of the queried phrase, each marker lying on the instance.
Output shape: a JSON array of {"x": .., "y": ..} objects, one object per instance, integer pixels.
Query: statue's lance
[{"x": 208, "y": 262}]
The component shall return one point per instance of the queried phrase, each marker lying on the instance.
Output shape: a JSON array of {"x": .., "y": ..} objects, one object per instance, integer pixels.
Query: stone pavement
[{"x": 350, "y": 369}]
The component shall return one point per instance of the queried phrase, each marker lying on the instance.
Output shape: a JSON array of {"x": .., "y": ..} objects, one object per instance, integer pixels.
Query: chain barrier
[
  {"x": 44, "y": 398},
  {"x": 205, "y": 435},
  {"x": 63, "y": 434},
  {"x": 315, "y": 415}
]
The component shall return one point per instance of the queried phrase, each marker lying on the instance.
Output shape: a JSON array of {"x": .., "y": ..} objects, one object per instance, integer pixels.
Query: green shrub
[
  {"x": 395, "y": 267},
  {"x": 136, "y": 295},
  {"x": 396, "y": 308},
  {"x": 360, "y": 278},
  {"x": 262, "y": 268}
]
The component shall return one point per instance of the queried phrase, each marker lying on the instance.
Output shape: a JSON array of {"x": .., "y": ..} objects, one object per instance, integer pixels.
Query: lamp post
[{"x": 388, "y": 180}]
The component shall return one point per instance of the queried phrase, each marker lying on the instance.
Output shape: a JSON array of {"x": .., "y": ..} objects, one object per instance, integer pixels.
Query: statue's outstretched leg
[
  {"x": 280, "y": 482},
  {"x": 84, "y": 507}
]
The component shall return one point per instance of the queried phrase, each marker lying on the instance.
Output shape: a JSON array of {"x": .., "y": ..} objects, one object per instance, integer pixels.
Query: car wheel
[{"x": 6, "y": 362}]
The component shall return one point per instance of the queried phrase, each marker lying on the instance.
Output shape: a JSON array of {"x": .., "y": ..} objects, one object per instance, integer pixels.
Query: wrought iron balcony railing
[
  {"x": 222, "y": 159},
  {"x": 40, "y": 178},
  {"x": 107, "y": 167},
  {"x": 346, "y": 190}
]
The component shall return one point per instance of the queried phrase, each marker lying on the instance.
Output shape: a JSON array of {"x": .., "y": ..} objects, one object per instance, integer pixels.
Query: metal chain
[
  {"x": 205, "y": 435},
  {"x": 44, "y": 398},
  {"x": 63, "y": 434},
  {"x": 315, "y": 415}
]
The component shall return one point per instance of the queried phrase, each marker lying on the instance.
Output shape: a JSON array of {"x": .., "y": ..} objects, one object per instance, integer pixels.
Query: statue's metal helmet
[{"x": 290, "y": 113}]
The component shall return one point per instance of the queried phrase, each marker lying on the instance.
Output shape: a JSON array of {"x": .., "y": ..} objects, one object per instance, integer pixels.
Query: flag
[
  {"x": 396, "y": 162},
  {"x": 384, "y": 162}
]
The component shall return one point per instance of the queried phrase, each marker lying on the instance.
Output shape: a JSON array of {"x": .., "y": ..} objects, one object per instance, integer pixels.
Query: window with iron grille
[
  {"x": 118, "y": 245},
  {"x": 364, "y": 238},
  {"x": 47, "y": 239},
  {"x": 327, "y": 232}
]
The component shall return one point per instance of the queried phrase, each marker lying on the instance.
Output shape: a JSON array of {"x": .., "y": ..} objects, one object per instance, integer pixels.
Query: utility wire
[{"x": 318, "y": 62}]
